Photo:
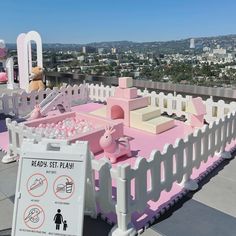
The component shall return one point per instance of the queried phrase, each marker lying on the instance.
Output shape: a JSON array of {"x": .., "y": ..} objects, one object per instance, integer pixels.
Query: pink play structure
[
  {"x": 114, "y": 148},
  {"x": 135, "y": 110},
  {"x": 124, "y": 101},
  {"x": 197, "y": 110}
]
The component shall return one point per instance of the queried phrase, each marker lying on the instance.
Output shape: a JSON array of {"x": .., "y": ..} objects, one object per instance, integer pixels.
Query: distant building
[
  {"x": 219, "y": 51},
  {"x": 88, "y": 49},
  {"x": 151, "y": 60},
  {"x": 136, "y": 74},
  {"x": 84, "y": 49},
  {"x": 113, "y": 50},
  {"x": 141, "y": 56},
  {"x": 100, "y": 51},
  {"x": 192, "y": 43},
  {"x": 80, "y": 58},
  {"x": 206, "y": 49}
]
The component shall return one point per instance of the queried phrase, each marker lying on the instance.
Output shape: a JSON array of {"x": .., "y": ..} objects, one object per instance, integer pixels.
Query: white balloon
[{"x": 2, "y": 43}]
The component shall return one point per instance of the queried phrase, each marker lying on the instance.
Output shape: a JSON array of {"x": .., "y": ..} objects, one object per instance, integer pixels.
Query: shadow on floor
[
  {"x": 189, "y": 196},
  {"x": 91, "y": 227},
  {"x": 170, "y": 222}
]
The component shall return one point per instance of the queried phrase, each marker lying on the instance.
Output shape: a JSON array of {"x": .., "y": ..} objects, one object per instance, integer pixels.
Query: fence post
[
  {"x": 15, "y": 103},
  {"x": 187, "y": 152},
  {"x": 188, "y": 183},
  {"x": 223, "y": 153},
  {"x": 5, "y": 103},
  {"x": 10, "y": 156},
  {"x": 124, "y": 226}
]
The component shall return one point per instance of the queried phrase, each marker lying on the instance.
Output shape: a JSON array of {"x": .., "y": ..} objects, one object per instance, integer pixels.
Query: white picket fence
[
  {"x": 174, "y": 164},
  {"x": 17, "y": 132},
  {"x": 21, "y": 103}
]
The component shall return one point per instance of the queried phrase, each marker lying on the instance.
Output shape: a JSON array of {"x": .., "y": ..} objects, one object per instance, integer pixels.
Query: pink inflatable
[
  {"x": 36, "y": 113},
  {"x": 114, "y": 148}
]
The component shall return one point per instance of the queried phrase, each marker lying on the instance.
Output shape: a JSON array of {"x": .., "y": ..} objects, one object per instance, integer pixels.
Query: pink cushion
[
  {"x": 130, "y": 93},
  {"x": 125, "y": 82},
  {"x": 3, "y": 77}
]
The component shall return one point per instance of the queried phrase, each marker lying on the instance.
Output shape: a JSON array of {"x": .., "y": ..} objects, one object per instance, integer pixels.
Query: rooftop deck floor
[{"x": 210, "y": 211}]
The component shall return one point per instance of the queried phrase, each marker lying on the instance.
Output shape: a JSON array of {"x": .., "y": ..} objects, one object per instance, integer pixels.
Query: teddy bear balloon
[{"x": 36, "y": 78}]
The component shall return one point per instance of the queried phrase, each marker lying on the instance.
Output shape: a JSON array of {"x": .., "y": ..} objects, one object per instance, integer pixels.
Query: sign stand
[{"x": 55, "y": 187}]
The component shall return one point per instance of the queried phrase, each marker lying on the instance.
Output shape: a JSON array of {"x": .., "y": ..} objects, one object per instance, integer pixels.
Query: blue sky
[{"x": 76, "y": 21}]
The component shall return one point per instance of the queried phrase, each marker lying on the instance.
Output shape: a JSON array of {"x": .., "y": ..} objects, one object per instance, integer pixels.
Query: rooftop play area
[{"x": 148, "y": 149}]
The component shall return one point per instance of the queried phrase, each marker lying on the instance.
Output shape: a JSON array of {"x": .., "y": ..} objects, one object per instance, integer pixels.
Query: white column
[
  {"x": 10, "y": 74},
  {"x": 25, "y": 57},
  {"x": 23, "y": 71}
]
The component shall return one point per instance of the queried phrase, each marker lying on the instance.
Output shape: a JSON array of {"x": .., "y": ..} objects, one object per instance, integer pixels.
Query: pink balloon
[
  {"x": 3, "y": 77},
  {"x": 3, "y": 52}
]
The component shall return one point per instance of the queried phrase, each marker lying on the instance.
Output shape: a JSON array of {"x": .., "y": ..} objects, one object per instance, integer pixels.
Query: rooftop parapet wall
[
  {"x": 24, "y": 102},
  {"x": 228, "y": 94}
]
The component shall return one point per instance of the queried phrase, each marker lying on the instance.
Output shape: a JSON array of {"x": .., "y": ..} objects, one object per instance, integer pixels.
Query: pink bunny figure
[
  {"x": 36, "y": 113},
  {"x": 114, "y": 148}
]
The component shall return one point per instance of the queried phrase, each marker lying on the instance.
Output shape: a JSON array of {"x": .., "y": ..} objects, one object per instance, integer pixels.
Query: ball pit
[
  {"x": 73, "y": 126},
  {"x": 68, "y": 128}
]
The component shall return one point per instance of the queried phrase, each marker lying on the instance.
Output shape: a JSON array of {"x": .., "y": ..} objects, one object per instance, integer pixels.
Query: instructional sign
[{"x": 50, "y": 189}]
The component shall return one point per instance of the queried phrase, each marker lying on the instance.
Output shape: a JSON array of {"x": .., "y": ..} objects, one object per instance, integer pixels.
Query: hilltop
[{"x": 174, "y": 46}]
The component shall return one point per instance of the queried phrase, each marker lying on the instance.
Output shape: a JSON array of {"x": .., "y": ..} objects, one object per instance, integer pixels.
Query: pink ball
[{"x": 3, "y": 53}]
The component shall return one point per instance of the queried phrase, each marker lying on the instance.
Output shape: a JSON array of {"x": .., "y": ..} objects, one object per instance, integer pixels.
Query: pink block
[
  {"x": 119, "y": 108},
  {"x": 119, "y": 92},
  {"x": 196, "y": 121},
  {"x": 130, "y": 93},
  {"x": 125, "y": 82},
  {"x": 197, "y": 107}
]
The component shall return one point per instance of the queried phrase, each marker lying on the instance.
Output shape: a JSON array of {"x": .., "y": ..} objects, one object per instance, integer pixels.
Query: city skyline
[{"x": 139, "y": 21}]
